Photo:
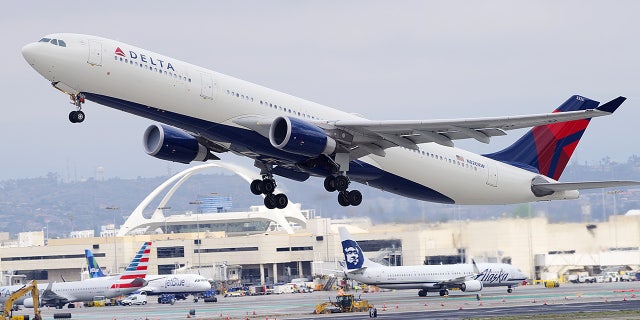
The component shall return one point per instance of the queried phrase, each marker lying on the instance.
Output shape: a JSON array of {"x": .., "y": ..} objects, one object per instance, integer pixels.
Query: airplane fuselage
[
  {"x": 430, "y": 277},
  {"x": 210, "y": 104}
]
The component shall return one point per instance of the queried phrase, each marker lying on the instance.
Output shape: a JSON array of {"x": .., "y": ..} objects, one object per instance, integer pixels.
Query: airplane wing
[
  {"x": 460, "y": 280},
  {"x": 363, "y": 137},
  {"x": 50, "y": 298}
]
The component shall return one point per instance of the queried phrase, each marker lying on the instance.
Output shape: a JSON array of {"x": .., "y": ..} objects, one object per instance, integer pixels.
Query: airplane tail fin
[
  {"x": 135, "y": 273},
  {"x": 92, "y": 265},
  {"x": 546, "y": 149},
  {"x": 353, "y": 255}
]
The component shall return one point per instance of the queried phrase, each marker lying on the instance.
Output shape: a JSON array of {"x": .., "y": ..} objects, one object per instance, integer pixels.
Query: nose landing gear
[{"x": 77, "y": 116}]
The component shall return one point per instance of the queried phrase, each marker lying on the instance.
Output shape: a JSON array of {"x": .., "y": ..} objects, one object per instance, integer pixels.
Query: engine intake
[
  {"x": 300, "y": 137},
  {"x": 173, "y": 144}
]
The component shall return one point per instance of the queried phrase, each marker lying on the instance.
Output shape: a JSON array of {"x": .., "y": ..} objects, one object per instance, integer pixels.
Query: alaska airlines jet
[
  {"x": 59, "y": 294},
  {"x": 181, "y": 285},
  {"x": 204, "y": 112},
  {"x": 427, "y": 278}
]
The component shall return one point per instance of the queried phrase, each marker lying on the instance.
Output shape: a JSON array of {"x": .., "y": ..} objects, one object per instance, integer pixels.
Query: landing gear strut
[
  {"x": 266, "y": 186},
  {"x": 76, "y": 116}
]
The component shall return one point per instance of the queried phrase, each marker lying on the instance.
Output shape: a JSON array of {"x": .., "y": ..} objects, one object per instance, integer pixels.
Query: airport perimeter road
[{"x": 401, "y": 304}]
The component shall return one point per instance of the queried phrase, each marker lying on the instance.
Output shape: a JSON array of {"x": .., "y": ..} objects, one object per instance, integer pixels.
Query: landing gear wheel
[
  {"x": 281, "y": 201},
  {"x": 256, "y": 187},
  {"x": 444, "y": 292},
  {"x": 422, "y": 293},
  {"x": 343, "y": 198},
  {"x": 72, "y": 116},
  {"x": 268, "y": 186},
  {"x": 270, "y": 201},
  {"x": 330, "y": 183},
  {"x": 342, "y": 183},
  {"x": 509, "y": 290},
  {"x": 79, "y": 116},
  {"x": 355, "y": 197}
]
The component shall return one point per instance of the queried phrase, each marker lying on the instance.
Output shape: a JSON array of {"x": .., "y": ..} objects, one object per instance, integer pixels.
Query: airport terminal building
[{"x": 261, "y": 246}]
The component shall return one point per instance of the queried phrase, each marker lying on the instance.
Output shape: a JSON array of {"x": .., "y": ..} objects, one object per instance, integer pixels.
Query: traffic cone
[
  {"x": 480, "y": 303},
  {"x": 188, "y": 315},
  {"x": 460, "y": 307},
  {"x": 625, "y": 298},
  {"x": 384, "y": 307},
  {"x": 442, "y": 304},
  {"x": 254, "y": 312},
  {"x": 633, "y": 295},
  {"x": 534, "y": 300},
  {"x": 545, "y": 302},
  {"x": 396, "y": 306},
  {"x": 503, "y": 299}
]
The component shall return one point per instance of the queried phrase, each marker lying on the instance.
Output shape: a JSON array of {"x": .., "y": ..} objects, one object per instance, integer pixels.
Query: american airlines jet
[
  {"x": 202, "y": 112},
  {"x": 59, "y": 294},
  {"x": 427, "y": 278},
  {"x": 181, "y": 285}
]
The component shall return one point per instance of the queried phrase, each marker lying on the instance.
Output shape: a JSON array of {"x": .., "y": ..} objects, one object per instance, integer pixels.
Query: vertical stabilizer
[
  {"x": 135, "y": 273},
  {"x": 546, "y": 149},
  {"x": 92, "y": 265},
  {"x": 353, "y": 254}
]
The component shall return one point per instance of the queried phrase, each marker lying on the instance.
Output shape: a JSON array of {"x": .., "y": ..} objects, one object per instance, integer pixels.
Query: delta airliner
[{"x": 202, "y": 112}]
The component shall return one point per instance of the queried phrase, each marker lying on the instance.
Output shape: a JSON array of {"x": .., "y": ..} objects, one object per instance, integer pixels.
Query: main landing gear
[
  {"x": 509, "y": 289},
  {"x": 76, "y": 116},
  {"x": 444, "y": 292},
  {"x": 340, "y": 183},
  {"x": 422, "y": 293},
  {"x": 266, "y": 186}
]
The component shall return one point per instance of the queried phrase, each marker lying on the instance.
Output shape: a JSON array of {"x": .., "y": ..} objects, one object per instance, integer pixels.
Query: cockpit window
[{"x": 55, "y": 42}]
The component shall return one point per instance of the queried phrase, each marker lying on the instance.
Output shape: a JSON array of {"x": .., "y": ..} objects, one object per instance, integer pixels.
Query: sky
[{"x": 385, "y": 60}]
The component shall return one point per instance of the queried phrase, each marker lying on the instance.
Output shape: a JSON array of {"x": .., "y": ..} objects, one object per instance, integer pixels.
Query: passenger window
[
  {"x": 54, "y": 41},
  {"x": 62, "y": 43}
]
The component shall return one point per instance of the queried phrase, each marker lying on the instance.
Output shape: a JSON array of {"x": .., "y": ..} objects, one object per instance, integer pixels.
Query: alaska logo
[
  {"x": 146, "y": 59},
  {"x": 492, "y": 277},
  {"x": 352, "y": 254}
]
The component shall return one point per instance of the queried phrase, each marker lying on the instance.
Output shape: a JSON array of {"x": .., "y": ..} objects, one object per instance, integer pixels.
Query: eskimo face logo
[{"x": 352, "y": 254}]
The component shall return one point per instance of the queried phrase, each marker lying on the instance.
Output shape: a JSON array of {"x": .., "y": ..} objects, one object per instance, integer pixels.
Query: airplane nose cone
[{"x": 29, "y": 53}]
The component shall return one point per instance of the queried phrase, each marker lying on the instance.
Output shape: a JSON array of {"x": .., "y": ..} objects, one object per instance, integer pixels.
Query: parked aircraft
[
  {"x": 180, "y": 285},
  {"x": 61, "y": 293},
  {"x": 428, "y": 278},
  {"x": 204, "y": 112}
]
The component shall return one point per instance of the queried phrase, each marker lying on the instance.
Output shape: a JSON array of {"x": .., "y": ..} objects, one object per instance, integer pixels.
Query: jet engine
[
  {"x": 471, "y": 286},
  {"x": 28, "y": 303},
  {"x": 173, "y": 144},
  {"x": 300, "y": 137}
]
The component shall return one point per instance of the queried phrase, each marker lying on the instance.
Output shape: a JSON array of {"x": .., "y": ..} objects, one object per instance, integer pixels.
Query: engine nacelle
[
  {"x": 28, "y": 303},
  {"x": 300, "y": 137},
  {"x": 173, "y": 144},
  {"x": 471, "y": 286}
]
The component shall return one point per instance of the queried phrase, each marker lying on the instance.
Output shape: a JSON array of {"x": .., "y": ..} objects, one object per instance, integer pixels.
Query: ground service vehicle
[
  {"x": 345, "y": 303},
  {"x": 137, "y": 299},
  {"x": 167, "y": 298},
  {"x": 8, "y": 305}
]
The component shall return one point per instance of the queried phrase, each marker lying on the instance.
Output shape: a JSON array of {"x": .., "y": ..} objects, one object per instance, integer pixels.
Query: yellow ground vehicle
[
  {"x": 344, "y": 303},
  {"x": 551, "y": 284},
  {"x": 8, "y": 305}
]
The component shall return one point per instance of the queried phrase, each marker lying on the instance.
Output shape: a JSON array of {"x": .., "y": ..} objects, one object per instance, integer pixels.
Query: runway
[{"x": 401, "y": 304}]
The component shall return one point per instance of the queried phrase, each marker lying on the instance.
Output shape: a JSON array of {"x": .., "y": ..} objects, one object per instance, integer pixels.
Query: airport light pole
[
  {"x": 615, "y": 193},
  {"x": 197, "y": 203},
  {"x": 115, "y": 246}
]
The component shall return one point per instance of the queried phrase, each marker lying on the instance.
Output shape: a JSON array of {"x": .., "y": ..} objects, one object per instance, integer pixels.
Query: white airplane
[
  {"x": 59, "y": 294},
  {"x": 203, "y": 111},
  {"x": 427, "y": 278},
  {"x": 181, "y": 285}
]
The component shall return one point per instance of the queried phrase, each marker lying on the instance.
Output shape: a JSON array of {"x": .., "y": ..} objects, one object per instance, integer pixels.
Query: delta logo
[{"x": 143, "y": 58}]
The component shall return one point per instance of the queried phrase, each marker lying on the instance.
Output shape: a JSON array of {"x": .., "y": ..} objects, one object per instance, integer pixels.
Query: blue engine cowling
[
  {"x": 471, "y": 286},
  {"x": 173, "y": 144},
  {"x": 300, "y": 137}
]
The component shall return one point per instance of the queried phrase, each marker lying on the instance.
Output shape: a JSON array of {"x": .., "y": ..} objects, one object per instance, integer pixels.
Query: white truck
[
  {"x": 137, "y": 299},
  {"x": 581, "y": 278}
]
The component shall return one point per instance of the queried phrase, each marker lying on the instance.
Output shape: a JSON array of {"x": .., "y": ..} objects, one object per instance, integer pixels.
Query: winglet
[{"x": 612, "y": 105}]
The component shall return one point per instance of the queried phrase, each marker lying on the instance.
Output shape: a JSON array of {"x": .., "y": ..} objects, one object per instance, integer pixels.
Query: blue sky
[{"x": 384, "y": 60}]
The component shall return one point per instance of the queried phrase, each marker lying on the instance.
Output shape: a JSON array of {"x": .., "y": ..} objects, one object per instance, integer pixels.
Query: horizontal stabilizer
[{"x": 567, "y": 186}]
